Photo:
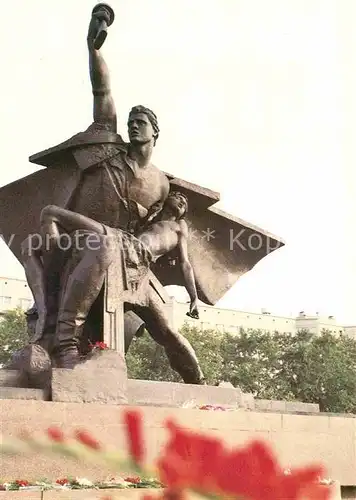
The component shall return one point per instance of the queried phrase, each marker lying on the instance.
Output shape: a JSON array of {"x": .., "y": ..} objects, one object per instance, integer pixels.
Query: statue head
[
  {"x": 176, "y": 204},
  {"x": 142, "y": 125}
]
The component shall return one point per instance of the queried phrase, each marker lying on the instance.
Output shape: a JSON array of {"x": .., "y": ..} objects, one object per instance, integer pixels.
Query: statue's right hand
[
  {"x": 95, "y": 22},
  {"x": 93, "y": 30}
]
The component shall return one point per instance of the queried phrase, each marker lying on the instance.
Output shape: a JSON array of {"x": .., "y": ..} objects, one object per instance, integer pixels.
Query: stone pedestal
[
  {"x": 297, "y": 440},
  {"x": 30, "y": 368},
  {"x": 102, "y": 378}
]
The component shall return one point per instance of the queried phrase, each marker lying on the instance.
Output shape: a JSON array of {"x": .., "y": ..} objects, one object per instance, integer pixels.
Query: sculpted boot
[
  {"x": 183, "y": 360},
  {"x": 84, "y": 279},
  {"x": 68, "y": 332}
]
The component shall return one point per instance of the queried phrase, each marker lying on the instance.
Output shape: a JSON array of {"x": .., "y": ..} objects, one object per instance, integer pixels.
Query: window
[
  {"x": 25, "y": 303},
  {"x": 5, "y": 301}
]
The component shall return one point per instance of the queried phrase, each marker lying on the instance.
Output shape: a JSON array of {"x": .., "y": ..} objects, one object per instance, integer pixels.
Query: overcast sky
[{"x": 255, "y": 99}]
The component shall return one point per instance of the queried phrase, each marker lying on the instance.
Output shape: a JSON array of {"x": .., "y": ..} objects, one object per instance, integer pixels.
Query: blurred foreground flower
[{"x": 193, "y": 462}]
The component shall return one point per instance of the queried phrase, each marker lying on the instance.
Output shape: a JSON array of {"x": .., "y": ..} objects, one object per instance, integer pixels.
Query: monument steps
[
  {"x": 24, "y": 393},
  {"x": 77, "y": 494},
  {"x": 9, "y": 378},
  {"x": 98, "y": 495},
  {"x": 149, "y": 392}
]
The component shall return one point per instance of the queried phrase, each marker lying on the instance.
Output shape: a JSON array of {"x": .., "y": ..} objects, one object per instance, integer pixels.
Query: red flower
[
  {"x": 251, "y": 471},
  {"x": 56, "y": 434},
  {"x": 2, "y": 487},
  {"x": 21, "y": 482},
  {"x": 133, "y": 480},
  {"x": 305, "y": 483},
  {"x": 101, "y": 345},
  {"x": 98, "y": 345},
  {"x": 85, "y": 438},
  {"x": 212, "y": 407},
  {"x": 134, "y": 432},
  {"x": 62, "y": 482},
  {"x": 191, "y": 460}
]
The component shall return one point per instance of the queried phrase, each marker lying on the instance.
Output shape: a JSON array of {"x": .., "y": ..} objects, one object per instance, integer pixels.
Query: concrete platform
[
  {"x": 96, "y": 495},
  {"x": 76, "y": 494},
  {"x": 151, "y": 393},
  {"x": 20, "y": 393},
  {"x": 9, "y": 378},
  {"x": 296, "y": 439}
]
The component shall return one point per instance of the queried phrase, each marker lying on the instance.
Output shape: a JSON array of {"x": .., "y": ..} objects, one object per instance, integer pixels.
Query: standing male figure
[
  {"x": 120, "y": 185},
  {"x": 120, "y": 189}
]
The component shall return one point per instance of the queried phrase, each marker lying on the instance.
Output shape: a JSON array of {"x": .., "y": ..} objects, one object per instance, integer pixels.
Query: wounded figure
[{"x": 166, "y": 232}]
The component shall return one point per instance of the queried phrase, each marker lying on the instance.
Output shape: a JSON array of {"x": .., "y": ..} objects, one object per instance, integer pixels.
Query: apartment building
[
  {"x": 230, "y": 320},
  {"x": 350, "y": 331},
  {"x": 14, "y": 293},
  {"x": 316, "y": 324}
]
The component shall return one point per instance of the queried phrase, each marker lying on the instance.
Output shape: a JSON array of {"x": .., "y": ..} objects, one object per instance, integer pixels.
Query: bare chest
[
  {"x": 147, "y": 186},
  {"x": 162, "y": 237}
]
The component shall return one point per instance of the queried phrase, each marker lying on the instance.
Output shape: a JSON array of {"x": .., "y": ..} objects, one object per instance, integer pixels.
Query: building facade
[
  {"x": 350, "y": 331},
  {"x": 316, "y": 324},
  {"x": 14, "y": 293},
  {"x": 230, "y": 321}
]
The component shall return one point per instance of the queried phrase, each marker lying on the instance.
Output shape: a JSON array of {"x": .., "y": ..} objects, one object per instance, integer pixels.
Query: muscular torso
[
  {"x": 162, "y": 237},
  {"x": 148, "y": 186},
  {"x": 101, "y": 187}
]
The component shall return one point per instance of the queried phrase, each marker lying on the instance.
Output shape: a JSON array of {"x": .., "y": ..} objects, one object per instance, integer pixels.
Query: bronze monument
[{"x": 127, "y": 230}]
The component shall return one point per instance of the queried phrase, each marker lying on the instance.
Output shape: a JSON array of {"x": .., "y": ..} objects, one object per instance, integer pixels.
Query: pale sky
[{"x": 255, "y": 99}]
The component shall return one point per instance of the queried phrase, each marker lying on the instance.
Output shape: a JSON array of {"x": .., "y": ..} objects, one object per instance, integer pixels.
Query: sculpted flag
[{"x": 221, "y": 247}]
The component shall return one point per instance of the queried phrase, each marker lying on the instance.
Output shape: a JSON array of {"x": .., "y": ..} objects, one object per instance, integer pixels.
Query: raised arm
[
  {"x": 104, "y": 107},
  {"x": 187, "y": 270}
]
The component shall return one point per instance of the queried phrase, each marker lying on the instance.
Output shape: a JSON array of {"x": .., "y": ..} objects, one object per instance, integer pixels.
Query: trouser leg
[
  {"x": 84, "y": 279},
  {"x": 179, "y": 351}
]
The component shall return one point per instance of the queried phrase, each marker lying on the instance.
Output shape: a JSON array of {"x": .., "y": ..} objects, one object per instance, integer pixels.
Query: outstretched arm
[
  {"x": 187, "y": 269},
  {"x": 104, "y": 107}
]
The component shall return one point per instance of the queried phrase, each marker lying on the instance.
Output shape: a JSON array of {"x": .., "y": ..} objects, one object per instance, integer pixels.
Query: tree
[
  {"x": 325, "y": 373},
  {"x": 147, "y": 361},
  {"x": 251, "y": 361},
  {"x": 270, "y": 365},
  {"x": 13, "y": 334}
]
